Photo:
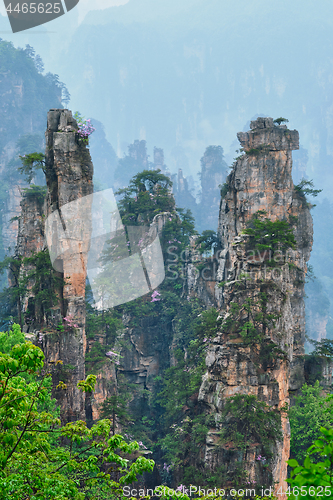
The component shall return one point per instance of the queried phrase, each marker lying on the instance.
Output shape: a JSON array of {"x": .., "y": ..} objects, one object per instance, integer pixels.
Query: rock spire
[{"x": 265, "y": 238}]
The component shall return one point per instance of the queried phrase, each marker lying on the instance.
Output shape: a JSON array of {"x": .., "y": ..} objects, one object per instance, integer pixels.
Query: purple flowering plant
[
  {"x": 262, "y": 460},
  {"x": 85, "y": 128},
  {"x": 70, "y": 322},
  {"x": 155, "y": 297},
  {"x": 114, "y": 356}
]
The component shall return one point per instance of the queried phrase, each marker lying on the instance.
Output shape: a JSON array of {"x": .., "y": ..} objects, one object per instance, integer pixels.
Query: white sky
[{"x": 84, "y": 6}]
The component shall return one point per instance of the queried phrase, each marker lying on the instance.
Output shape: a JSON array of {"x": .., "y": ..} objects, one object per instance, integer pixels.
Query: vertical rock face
[
  {"x": 69, "y": 173},
  {"x": 61, "y": 331},
  {"x": 29, "y": 241},
  {"x": 260, "y": 292}
]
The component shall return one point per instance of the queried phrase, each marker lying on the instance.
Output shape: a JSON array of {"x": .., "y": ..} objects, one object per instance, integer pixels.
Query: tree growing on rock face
[
  {"x": 115, "y": 408},
  {"x": 279, "y": 121},
  {"x": 32, "y": 275},
  {"x": 148, "y": 194}
]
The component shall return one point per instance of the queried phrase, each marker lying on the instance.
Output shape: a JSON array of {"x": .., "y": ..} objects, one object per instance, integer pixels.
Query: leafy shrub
[
  {"x": 265, "y": 234},
  {"x": 37, "y": 192},
  {"x": 280, "y": 120},
  {"x": 314, "y": 480},
  {"x": 310, "y": 412}
]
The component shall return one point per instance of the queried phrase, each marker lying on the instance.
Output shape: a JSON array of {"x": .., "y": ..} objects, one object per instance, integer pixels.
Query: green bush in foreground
[
  {"x": 33, "y": 464},
  {"x": 314, "y": 480}
]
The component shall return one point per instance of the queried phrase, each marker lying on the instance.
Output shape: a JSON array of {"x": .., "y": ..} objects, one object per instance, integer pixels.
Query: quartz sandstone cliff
[
  {"x": 259, "y": 181},
  {"x": 69, "y": 172}
]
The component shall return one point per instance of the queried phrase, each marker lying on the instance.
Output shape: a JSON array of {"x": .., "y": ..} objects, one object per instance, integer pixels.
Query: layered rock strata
[
  {"x": 253, "y": 281},
  {"x": 69, "y": 173},
  {"x": 61, "y": 331}
]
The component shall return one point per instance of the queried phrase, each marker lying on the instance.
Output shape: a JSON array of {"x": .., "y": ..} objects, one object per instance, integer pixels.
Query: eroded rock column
[
  {"x": 253, "y": 281},
  {"x": 69, "y": 173}
]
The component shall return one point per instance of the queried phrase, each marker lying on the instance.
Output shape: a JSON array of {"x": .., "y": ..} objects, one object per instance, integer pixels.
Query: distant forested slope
[{"x": 26, "y": 94}]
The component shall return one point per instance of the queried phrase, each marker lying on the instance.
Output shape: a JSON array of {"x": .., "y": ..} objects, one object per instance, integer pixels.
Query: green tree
[
  {"x": 314, "y": 479},
  {"x": 265, "y": 234},
  {"x": 311, "y": 411},
  {"x": 31, "y": 163},
  {"x": 11, "y": 297},
  {"x": 185, "y": 424},
  {"x": 147, "y": 195},
  {"x": 115, "y": 408},
  {"x": 34, "y": 275},
  {"x": 280, "y": 120},
  {"x": 135, "y": 161},
  {"x": 306, "y": 188},
  {"x": 246, "y": 420},
  {"x": 31, "y": 464}
]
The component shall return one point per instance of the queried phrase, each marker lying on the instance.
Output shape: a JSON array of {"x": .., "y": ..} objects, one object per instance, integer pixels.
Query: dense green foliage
[
  {"x": 31, "y": 163},
  {"x": 168, "y": 418},
  {"x": 133, "y": 162},
  {"x": 24, "y": 113},
  {"x": 33, "y": 465},
  {"x": 315, "y": 478},
  {"x": 323, "y": 348},
  {"x": 306, "y": 188},
  {"x": 311, "y": 411},
  {"x": 34, "y": 275},
  {"x": 267, "y": 235},
  {"x": 115, "y": 408},
  {"x": 280, "y": 120},
  {"x": 153, "y": 412},
  {"x": 246, "y": 421}
]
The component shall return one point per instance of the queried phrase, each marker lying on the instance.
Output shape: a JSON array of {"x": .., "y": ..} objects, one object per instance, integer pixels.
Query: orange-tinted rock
[
  {"x": 260, "y": 181},
  {"x": 68, "y": 171}
]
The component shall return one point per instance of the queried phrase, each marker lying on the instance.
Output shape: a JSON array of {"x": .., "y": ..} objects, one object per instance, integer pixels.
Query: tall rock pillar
[
  {"x": 265, "y": 238},
  {"x": 69, "y": 173},
  {"x": 51, "y": 252}
]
